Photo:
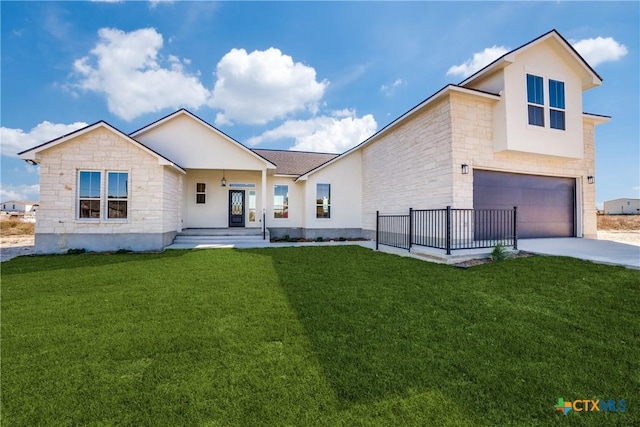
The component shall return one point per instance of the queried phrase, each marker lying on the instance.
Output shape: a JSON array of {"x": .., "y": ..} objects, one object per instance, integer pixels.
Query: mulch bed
[{"x": 480, "y": 261}]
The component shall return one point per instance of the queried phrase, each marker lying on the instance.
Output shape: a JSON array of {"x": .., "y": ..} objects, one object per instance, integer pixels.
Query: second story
[{"x": 540, "y": 108}]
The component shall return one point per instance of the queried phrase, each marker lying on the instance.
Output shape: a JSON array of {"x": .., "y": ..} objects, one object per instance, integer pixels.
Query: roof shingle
[{"x": 294, "y": 162}]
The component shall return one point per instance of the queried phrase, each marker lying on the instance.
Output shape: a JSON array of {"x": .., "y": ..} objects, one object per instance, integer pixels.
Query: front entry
[{"x": 236, "y": 208}]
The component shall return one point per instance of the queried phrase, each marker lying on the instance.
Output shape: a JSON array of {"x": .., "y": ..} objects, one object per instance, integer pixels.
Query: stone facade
[
  {"x": 409, "y": 167},
  {"x": 153, "y": 205}
]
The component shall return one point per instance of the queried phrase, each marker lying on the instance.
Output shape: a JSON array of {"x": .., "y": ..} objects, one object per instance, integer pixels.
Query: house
[
  {"x": 18, "y": 206},
  {"x": 622, "y": 206},
  {"x": 512, "y": 134}
]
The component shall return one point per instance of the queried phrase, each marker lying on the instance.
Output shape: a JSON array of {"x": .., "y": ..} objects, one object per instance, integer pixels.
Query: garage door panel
[{"x": 546, "y": 205}]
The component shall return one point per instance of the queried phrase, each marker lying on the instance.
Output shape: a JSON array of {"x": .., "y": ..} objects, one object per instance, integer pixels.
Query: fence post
[
  {"x": 410, "y": 227},
  {"x": 264, "y": 225},
  {"x": 448, "y": 238},
  {"x": 515, "y": 227},
  {"x": 377, "y": 228}
]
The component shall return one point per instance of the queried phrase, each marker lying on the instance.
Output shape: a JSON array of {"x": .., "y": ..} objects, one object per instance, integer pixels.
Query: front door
[{"x": 236, "y": 208}]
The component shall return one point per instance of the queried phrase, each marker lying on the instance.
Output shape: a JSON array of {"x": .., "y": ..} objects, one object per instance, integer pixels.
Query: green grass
[{"x": 314, "y": 336}]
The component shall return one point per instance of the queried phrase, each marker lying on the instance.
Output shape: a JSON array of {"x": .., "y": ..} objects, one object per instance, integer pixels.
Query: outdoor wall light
[
  {"x": 465, "y": 169},
  {"x": 223, "y": 182},
  {"x": 591, "y": 179}
]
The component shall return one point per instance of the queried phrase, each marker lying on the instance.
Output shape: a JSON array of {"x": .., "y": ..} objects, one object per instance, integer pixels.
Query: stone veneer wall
[
  {"x": 418, "y": 164},
  {"x": 409, "y": 167},
  {"x": 472, "y": 121},
  {"x": 151, "y": 221}
]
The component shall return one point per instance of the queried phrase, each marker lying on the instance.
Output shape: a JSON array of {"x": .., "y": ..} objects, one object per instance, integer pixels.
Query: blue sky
[{"x": 319, "y": 76}]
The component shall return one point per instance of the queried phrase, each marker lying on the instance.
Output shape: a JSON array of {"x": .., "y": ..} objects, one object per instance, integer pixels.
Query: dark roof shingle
[{"x": 294, "y": 162}]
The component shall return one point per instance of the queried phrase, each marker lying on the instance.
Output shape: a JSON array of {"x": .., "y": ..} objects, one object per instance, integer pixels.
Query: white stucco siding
[
  {"x": 518, "y": 135},
  {"x": 409, "y": 167},
  {"x": 472, "y": 123},
  {"x": 296, "y": 203},
  {"x": 214, "y": 213},
  {"x": 193, "y": 145},
  {"x": 345, "y": 178},
  {"x": 104, "y": 151}
]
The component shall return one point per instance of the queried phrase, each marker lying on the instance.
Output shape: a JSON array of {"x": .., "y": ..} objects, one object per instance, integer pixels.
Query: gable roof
[
  {"x": 448, "y": 89},
  {"x": 294, "y": 163},
  {"x": 187, "y": 113},
  {"x": 31, "y": 152},
  {"x": 509, "y": 58}
]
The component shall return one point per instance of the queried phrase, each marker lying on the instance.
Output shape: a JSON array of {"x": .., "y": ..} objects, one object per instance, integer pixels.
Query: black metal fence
[{"x": 448, "y": 229}]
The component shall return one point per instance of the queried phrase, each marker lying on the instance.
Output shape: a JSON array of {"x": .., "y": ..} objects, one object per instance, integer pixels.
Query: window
[
  {"x": 201, "y": 192},
  {"x": 117, "y": 192},
  {"x": 281, "y": 201},
  {"x": 89, "y": 194},
  {"x": 535, "y": 100},
  {"x": 556, "y": 102},
  {"x": 252, "y": 206},
  {"x": 323, "y": 200}
]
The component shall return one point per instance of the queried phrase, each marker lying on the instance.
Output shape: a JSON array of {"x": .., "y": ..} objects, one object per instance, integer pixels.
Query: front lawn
[{"x": 314, "y": 336}]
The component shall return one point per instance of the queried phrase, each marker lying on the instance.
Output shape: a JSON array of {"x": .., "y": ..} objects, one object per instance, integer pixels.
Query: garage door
[{"x": 546, "y": 204}]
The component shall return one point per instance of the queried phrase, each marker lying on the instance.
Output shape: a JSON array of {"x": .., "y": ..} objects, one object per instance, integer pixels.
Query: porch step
[{"x": 220, "y": 237}]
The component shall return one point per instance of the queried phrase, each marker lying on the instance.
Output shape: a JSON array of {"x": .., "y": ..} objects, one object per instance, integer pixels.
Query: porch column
[{"x": 264, "y": 193}]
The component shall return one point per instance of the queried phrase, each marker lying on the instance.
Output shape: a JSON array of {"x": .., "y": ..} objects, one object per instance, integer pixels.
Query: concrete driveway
[{"x": 602, "y": 251}]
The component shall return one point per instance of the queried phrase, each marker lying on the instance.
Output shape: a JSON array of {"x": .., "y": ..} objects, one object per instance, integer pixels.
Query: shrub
[
  {"x": 73, "y": 251},
  {"x": 499, "y": 253}
]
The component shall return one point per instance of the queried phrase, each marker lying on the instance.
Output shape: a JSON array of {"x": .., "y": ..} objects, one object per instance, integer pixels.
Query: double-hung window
[
  {"x": 281, "y": 201},
  {"x": 323, "y": 200},
  {"x": 535, "y": 100},
  {"x": 556, "y": 104},
  {"x": 89, "y": 200},
  {"x": 117, "y": 194},
  {"x": 201, "y": 192},
  {"x": 92, "y": 191}
]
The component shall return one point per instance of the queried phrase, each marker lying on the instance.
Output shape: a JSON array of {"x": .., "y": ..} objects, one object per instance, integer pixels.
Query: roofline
[
  {"x": 444, "y": 91},
  {"x": 203, "y": 122},
  {"x": 24, "y": 155},
  {"x": 506, "y": 58},
  {"x": 597, "y": 118},
  {"x": 22, "y": 202},
  {"x": 295, "y": 151}
]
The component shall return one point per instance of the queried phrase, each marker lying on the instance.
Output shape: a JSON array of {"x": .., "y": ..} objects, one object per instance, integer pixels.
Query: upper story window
[
  {"x": 281, "y": 201},
  {"x": 535, "y": 100},
  {"x": 89, "y": 199},
  {"x": 323, "y": 200},
  {"x": 556, "y": 104},
  {"x": 537, "y": 107}
]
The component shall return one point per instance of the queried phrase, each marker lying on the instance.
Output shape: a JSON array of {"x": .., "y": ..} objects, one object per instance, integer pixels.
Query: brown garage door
[{"x": 546, "y": 204}]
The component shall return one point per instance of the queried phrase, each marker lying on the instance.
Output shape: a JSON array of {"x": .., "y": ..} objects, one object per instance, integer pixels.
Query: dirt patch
[
  {"x": 619, "y": 222},
  {"x": 13, "y": 227},
  {"x": 627, "y": 237},
  {"x": 13, "y": 246}
]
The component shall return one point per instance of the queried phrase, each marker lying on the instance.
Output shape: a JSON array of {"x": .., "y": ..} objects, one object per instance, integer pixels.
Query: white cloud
[
  {"x": 16, "y": 140},
  {"x": 154, "y": 3},
  {"x": 478, "y": 61},
  {"x": 323, "y": 134},
  {"x": 388, "y": 89},
  {"x": 19, "y": 192},
  {"x": 257, "y": 87},
  {"x": 126, "y": 67},
  {"x": 599, "y": 50}
]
